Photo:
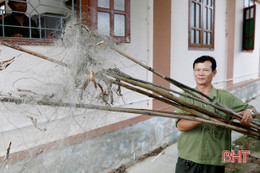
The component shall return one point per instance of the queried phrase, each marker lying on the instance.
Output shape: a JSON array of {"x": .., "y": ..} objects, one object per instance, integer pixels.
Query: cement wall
[
  {"x": 247, "y": 92},
  {"x": 103, "y": 153}
]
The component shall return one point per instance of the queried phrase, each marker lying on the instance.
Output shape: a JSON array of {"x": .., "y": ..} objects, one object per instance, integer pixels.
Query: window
[
  {"x": 248, "y": 3},
  {"x": 201, "y": 24},
  {"x": 111, "y": 18},
  {"x": 249, "y": 28},
  {"x": 43, "y": 20}
]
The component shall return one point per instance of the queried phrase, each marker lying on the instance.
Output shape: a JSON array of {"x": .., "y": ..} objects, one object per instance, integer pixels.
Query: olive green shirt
[{"x": 205, "y": 143}]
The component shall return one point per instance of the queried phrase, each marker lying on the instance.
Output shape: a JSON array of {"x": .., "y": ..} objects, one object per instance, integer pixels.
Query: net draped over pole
[{"x": 115, "y": 77}]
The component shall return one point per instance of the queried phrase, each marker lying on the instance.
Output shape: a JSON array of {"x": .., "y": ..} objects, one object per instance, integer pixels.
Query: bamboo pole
[
  {"x": 218, "y": 106},
  {"x": 180, "y": 85},
  {"x": 117, "y": 74},
  {"x": 132, "y": 110},
  {"x": 16, "y": 47},
  {"x": 171, "y": 97},
  {"x": 186, "y": 88},
  {"x": 191, "y": 111},
  {"x": 166, "y": 96},
  {"x": 170, "y": 102},
  {"x": 174, "y": 82}
]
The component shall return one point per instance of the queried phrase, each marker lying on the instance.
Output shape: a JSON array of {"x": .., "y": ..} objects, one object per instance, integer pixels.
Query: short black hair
[
  {"x": 14, "y": 1},
  {"x": 206, "y": 58}
]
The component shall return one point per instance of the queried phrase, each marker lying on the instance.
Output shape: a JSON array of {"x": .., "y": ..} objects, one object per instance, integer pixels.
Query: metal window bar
[{"x": 44, "y": 13}]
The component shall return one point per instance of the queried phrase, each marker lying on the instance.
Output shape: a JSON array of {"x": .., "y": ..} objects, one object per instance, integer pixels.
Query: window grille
[{"x": 50, "y": 16}]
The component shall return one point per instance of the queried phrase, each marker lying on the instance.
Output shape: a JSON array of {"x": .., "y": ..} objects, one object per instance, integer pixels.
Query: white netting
[{"x": 34, "y": 79}]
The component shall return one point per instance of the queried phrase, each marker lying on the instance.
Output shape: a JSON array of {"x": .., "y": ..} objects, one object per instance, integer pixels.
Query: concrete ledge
[
  {"x": 101, "y": 153},
  {"x": 246, "y": 92}
]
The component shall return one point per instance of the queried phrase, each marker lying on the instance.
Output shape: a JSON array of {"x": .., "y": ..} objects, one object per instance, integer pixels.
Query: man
[
  {"x": 201, "y": 145},
  {"x": 19, "y": 21}
]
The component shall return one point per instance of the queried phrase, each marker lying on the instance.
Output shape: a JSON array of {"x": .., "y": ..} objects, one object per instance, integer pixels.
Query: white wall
[
  {"x": 181, "y": 57},
  {"x": 34, "y": 74},
  {"x": 246, "y": 63}
]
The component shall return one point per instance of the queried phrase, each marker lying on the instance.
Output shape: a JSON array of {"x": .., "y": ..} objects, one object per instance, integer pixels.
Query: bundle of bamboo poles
[{"x": 154, "y": 91}]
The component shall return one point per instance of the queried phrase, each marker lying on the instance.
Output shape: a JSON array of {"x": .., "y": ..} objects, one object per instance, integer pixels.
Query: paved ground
[{"x": 165, "y": 161}]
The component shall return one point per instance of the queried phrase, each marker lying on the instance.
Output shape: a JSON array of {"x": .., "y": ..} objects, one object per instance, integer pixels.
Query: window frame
[
  {"x": 29, "y": 41},
  {"x": 244, "y": 47},
  {"x": 201, "y": 46},
  {"x": 2, "y": 4},
  {"x": 90, "y": 18}
]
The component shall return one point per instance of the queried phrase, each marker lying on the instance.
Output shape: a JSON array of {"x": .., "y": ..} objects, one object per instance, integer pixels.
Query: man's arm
[{"x": 184, "y": 125}]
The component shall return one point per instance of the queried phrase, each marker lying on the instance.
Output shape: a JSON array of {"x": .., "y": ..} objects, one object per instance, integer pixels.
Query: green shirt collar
[{"x": 212, "y": 93}]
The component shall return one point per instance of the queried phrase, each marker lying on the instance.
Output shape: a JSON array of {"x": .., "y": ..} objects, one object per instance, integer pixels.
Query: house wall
[
  {"x": 246, "y": 63},
  {"x": 106, "y": 140},
  {"x": 182, "y": 57},
  {"x": 38, "y": 75}
]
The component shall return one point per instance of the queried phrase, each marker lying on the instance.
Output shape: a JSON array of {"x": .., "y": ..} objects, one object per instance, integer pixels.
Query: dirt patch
[
  {"x": 121, "y": 169},
  {"x": 153, "y": 153},
  {"x": 253, "y": 159}
]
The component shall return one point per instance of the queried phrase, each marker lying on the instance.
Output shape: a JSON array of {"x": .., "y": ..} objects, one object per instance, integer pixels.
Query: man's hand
[
  {"x": 51, "y": 36},
  {"x": 247, "y": 116}
]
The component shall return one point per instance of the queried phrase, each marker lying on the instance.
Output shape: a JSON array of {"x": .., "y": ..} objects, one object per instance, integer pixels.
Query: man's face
[
  {"x": 20, "y": 5},
  {"x": 203, "y": 73}
]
